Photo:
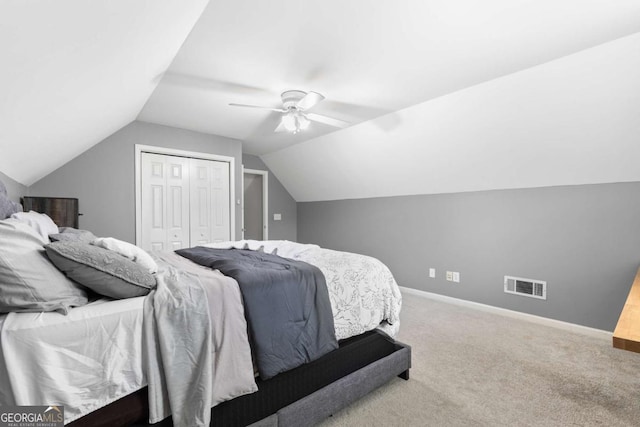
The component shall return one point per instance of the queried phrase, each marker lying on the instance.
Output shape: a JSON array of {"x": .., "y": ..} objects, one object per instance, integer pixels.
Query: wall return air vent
[{"x": 525, "y": 287}]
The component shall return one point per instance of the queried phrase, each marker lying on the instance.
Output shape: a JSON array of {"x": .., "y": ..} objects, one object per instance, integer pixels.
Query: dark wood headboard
[{"x": 63, "y": 211}]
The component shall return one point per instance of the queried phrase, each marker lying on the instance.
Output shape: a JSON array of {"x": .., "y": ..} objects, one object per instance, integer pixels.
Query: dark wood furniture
[{"x": 63, "y": 211}]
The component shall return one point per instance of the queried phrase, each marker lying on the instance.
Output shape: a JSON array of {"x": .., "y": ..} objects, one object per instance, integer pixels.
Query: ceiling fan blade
[
  {"x": 327, "y": 120},
  {"x": 309, "y": 100},
  {"x": 279, "y": 110},
  {"x": 280, "y": 127}
]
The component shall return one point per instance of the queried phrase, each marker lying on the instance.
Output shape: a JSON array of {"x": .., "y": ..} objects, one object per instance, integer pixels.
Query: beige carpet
[{"x": 474, "y": 368}]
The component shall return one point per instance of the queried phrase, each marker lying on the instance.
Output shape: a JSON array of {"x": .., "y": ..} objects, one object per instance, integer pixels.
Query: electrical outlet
[
  {"x": 449, "y": 276},
  {"x": 456, "y": 277},
  {"x": 432, "y": 273}
]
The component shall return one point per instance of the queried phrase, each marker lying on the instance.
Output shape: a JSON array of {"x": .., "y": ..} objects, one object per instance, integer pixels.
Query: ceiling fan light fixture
[
  {"x": 303, "y": 122},
  {"x": 296, "y": 117},
  {"x": 289, "y": 122}
]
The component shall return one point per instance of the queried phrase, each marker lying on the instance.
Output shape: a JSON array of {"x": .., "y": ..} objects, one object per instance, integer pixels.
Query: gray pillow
[
  {"x": 101, "y": 270},
  {"x": 7, "y": 207},
  {"x": 28, "y": 280},
  {"x": 70, "y": 233}
]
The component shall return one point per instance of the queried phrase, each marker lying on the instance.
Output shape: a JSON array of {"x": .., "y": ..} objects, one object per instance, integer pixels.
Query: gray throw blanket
[
  {"x": 286, "y": 304},
  {"x": 195, "y": 346}
]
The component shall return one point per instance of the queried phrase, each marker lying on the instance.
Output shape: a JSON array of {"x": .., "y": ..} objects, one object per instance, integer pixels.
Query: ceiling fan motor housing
[{"x": 290, "y": 98}]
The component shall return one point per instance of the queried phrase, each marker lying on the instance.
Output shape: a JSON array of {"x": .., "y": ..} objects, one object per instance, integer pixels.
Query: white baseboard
[{"x": 572, "y": 327}]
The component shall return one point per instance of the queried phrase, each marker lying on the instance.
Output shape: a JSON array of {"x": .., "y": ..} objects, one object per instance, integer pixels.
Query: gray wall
[
  {"x": 102, "y": 178},
  {"x": 15, "y": 190},
  {"x": 583, "y": 240},
  {"x": 280, "y": 201}
]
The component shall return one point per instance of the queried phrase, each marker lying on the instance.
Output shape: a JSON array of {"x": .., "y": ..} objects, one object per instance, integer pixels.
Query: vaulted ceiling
[
  {"x": 367, "y": 57},
  {"x": 72, "y": 72},
  {"x": 571, "y": 121},
  {"x": 400, "y": 71}
]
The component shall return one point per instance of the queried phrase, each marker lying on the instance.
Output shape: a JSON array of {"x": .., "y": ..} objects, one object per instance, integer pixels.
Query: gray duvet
[{"x": 286, "y": 304}]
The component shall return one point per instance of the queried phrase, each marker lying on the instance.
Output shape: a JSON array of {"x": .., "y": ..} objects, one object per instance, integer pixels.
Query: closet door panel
[
  {"x": 178, "y": 200},
  {"x": 165, "y": 202},
  {"x": 220, "y": 218},
  {"x": 209, "y": 202},
  {"x": 154, "y": 236},
  {"x": 200, "y": 202}
]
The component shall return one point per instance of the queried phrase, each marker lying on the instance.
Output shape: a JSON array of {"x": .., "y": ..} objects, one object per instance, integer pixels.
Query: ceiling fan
[{"x": 295, "y": 107}]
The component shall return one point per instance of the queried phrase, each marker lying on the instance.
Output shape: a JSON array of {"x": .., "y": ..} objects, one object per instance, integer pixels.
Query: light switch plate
[
  {"x": 432, "y": 272},
  {"x": 277, "y": 217}
]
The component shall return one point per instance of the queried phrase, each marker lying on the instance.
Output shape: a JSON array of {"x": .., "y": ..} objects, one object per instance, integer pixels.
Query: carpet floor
[{"x": 476, "y": 368}]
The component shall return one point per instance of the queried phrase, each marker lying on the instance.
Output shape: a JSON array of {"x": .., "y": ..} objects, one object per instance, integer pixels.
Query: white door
[
  {"x": 200, "y": 210},
  {"x": 165, "y": 202},
  {"x": 220, "y": 209},
  {"x": 177, "y": 202},
  {"x": 184, "y": 202},
  {"x": 210, "y": 208}
]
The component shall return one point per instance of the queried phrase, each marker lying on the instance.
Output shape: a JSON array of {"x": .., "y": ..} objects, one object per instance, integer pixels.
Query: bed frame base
[
  {"x": 386, "y": 359},
  {"x": 330, "y": 399}
]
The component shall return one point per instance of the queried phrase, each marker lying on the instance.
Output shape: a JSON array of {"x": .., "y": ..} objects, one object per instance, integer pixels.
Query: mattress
[{"x": 84, "y": 360}]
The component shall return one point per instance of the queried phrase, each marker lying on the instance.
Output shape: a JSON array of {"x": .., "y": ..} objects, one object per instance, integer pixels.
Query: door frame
[
  {"x": 265, "y": 200},
  {"x": 141, "y": 148}
]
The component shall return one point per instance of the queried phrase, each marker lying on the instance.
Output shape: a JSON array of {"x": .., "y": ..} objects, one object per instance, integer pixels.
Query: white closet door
[
  {"x": 154, "y": 209},
  {"x": 210, "y": 219},
  {"x": 200, "y": 202},
  {"x": 178, "y": 202},
  {"x": 220, "y": 218},
  {"x": 165, "y": 202}
]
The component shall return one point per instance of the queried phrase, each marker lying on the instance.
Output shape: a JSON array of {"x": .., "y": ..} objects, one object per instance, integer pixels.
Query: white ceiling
[
  {"x": 367, "y": 57},
  {"x": 73, "y": 72},
  {"x": 570, "y": 121}
]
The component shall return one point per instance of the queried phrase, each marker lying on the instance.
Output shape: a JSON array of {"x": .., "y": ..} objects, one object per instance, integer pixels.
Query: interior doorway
[{"x": 255, "y": 219}]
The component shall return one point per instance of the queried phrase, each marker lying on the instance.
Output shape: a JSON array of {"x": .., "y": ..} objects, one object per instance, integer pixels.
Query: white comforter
[{"x": 363, "y": 293}]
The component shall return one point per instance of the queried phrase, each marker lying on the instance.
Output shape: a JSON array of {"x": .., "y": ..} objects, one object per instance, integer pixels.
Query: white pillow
[
  {"x": 28, "y": 280},
  {"x": 134, "y": 253},
  {"x": 40, "y": 222}
]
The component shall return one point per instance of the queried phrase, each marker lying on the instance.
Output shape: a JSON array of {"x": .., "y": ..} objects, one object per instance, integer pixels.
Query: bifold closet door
[
  {"x": 165, "y": 202},
  {"x": 210, "y": 219},
  {"x": 185, "y": 202}
]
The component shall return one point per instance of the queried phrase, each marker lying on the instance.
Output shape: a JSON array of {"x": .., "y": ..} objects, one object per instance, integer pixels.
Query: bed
[{"x": 95, "y": 359}]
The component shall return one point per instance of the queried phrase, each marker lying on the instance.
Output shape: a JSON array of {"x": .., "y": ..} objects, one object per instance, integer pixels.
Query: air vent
[{"x": 525, "y": 287}]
